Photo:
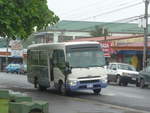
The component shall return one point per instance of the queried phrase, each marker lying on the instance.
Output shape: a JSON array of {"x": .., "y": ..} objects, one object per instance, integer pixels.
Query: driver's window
[{"x": 59, "y": 58}]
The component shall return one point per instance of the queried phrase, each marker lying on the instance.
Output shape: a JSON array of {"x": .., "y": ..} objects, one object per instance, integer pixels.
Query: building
[
  {"x": 70, "y": 30},
  {"x": 15, "y": 53}
]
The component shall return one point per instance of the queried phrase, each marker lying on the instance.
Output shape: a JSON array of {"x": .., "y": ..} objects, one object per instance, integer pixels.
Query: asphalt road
[{"x": 113, "y": 99}]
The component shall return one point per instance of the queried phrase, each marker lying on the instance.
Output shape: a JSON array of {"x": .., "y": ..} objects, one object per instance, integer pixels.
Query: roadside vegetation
[
  {"x": 19, "y": 18},
  {"x": 3, "y": 105}
]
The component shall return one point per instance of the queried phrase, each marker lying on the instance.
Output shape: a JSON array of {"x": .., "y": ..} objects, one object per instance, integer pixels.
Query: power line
[
  {"x": 99, "y": 5},
  {"x": 123, "y": 8},
  {"x": 114, "y": 11},
  {"x": 130, "y": 19},
  {"x": 78, "y": 8}
]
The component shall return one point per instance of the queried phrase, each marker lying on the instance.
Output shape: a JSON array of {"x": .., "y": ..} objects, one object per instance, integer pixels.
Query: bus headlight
[{"x": 72, "y": 82}]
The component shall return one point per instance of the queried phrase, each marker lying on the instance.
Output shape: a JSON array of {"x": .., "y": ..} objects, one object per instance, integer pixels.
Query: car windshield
[
  {"x": 126, "y": 67},
  {"x": 82, "y": 59},
  {"x": 14, "y": 65}
]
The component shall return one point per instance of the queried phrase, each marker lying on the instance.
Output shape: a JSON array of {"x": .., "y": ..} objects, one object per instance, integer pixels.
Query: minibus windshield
[{"x": 83, "y": 59}]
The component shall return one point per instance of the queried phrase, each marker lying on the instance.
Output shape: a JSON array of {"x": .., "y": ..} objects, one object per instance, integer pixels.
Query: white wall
[{"x": 73, "y": 34}]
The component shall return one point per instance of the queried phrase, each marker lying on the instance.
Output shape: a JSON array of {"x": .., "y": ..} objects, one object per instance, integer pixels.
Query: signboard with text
[
  {"x": 17, "y": 53},
  {"x": 106, "y": 48},
  {"x": 16, "y": 48}
]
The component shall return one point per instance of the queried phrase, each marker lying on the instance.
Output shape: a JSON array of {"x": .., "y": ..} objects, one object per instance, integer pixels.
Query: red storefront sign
[{"x": 106, "y": 48}]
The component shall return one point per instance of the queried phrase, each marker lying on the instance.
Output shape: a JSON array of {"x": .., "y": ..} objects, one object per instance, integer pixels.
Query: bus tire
[
  {"x": 96, "y": 91},
  {"x": 41, "y": 88}
]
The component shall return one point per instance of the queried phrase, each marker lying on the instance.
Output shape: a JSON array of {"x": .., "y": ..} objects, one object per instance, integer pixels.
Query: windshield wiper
[
  {"x": 78, "y": 67},
  {"x": 97, "y": 66}
]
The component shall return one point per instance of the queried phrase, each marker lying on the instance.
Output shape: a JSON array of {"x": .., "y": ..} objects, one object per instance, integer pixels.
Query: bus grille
[
  {"x": 89, "y": 81},
  {"x": 94, "y": 86},
  {"x": 88, "y": 77}
]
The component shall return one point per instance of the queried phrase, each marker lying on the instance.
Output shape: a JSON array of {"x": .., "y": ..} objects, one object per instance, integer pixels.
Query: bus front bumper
[{"x": 84, "y": 86}]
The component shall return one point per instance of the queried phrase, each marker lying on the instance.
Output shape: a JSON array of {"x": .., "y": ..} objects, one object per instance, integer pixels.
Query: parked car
[
  {"x": 122, "y": 74},
  {"x": 13, "y": 68},
  {"x": 144, "y": 77}
]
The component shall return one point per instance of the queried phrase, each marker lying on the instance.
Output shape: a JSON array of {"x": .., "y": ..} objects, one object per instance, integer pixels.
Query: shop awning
[{"x": 131, "y": 52}]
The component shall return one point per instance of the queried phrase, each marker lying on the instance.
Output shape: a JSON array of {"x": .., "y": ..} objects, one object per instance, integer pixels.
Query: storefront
[
  {"x": 131, "y": 54},
  {"x": 4, "y": 55}
]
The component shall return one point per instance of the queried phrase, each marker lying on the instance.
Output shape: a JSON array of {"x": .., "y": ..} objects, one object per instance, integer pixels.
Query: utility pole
[
  {"x": 7, "y": 46},
  {"x": 145, "y": 33}
]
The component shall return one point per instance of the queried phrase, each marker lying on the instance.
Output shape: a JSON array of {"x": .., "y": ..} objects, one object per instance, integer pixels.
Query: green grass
[{"x": 4, "y": 105}]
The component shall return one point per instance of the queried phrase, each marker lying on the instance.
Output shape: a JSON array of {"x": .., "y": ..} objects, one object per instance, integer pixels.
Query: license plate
[
  {"x": 133, "y": 78},
  {"x": 89, "y": 85}
]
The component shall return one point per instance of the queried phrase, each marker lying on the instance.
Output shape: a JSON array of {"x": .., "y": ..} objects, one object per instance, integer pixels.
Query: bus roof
[{"x": 63, "y": 43}]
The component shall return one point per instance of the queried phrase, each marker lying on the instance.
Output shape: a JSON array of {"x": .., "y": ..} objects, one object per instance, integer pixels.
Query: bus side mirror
[{"x": 67, "y": 68}]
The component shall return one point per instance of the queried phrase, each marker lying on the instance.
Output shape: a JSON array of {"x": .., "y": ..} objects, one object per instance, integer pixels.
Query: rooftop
[
  {"x": 112, "y": 27},
  {"x": 108, "y": 38}
]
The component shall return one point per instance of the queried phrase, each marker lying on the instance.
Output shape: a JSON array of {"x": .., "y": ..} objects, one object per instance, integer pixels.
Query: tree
[
  {"x": 98, "y": 32},
  {"x": 19, "y": 17}
]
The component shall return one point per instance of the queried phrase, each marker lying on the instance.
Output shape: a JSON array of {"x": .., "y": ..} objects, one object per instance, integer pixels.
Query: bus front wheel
[
  {"x": 97, "y": 91},
  {"x": 62, "y": 89}
]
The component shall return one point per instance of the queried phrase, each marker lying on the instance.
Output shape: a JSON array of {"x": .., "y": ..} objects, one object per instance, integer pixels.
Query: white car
[{"x": 122, "y": 73}]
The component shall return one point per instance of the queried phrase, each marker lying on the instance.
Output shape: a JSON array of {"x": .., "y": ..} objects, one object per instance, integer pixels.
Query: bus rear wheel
[
  {"x": 97, "y": 91},
  {"x": 41, "y": 88}
]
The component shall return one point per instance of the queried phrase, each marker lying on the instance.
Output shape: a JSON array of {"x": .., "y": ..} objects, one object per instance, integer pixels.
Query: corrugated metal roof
[
  {"x": 88, "y": 26},
  {"x": 107, "y": 38}
]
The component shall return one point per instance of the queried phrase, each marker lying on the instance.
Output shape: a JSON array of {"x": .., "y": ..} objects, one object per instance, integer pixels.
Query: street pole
[
  {"x": 145, "y": 34},
  {"x": 7, "y": 45}
]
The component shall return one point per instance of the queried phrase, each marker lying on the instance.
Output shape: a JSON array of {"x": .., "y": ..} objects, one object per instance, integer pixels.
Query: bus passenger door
[
  {"x": 51, "y": 69},
  {"x": 58, "y": 65}
]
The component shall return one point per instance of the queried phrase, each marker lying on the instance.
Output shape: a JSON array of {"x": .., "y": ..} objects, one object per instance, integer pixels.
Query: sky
[{"x": 97, "y": 10}]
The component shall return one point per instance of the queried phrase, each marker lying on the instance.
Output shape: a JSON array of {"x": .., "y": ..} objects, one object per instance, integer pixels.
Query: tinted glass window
[
  {"x": 43, "y": 58},
  {"x": 82, "y": 59},
  {"x": 126, "y": 67},
  {"x": 34, "y": 57},
  {"x": 59, "y": 58}
]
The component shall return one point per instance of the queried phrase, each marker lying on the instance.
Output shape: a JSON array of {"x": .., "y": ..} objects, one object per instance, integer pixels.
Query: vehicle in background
[
  {"x": 13, "y": 68},
  {"x": 144, "y": 77},
  {"x": 23, "y": 69},
  {"x": 67, "y": 66},
  {"x": 122, "y": 73}
]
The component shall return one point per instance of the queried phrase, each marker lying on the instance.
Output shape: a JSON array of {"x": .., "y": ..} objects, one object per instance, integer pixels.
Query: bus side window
[
  {"x": 59, "y": 58},
  {"x": 34, "y": 57},
  {"x": 43, "y": 58},
  {"x": 28, "y": 57},
  {"x": 55, "y": 56}
]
